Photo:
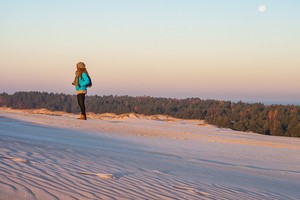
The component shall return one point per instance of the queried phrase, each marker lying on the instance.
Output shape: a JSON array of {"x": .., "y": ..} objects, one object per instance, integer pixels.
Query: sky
[{"x": 211, "y": 49}]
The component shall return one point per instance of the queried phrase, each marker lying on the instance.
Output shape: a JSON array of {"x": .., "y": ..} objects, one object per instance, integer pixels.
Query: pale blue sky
[{"x": 172, "y": 48}]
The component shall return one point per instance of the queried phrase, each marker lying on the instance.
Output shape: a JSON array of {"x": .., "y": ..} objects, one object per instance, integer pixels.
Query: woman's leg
[{"x": 81, "y": 99}]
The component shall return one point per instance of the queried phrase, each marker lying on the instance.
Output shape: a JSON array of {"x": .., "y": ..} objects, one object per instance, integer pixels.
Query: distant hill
[{"x": 280, "y": 120}]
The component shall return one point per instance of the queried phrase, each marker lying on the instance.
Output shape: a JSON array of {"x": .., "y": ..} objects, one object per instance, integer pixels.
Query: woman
[{"x": 80, "y": 82}]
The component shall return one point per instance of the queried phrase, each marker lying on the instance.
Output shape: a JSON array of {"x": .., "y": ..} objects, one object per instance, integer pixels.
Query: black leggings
[{"x": 81, "y": 98}]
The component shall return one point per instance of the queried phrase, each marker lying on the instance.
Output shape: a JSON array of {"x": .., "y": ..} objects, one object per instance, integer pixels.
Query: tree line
[{"x": 280, "y": 120}]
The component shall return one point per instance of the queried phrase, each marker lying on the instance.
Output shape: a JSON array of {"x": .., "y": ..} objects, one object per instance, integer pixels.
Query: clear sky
[{"x": 171, "y": 48}]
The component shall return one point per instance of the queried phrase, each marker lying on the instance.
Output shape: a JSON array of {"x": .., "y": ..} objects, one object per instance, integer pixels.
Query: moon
[{"x": 262, "y": 8}]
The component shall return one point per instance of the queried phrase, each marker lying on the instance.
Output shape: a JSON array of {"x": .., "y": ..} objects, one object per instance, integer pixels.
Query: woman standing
[{"x": 81, "y": 82}]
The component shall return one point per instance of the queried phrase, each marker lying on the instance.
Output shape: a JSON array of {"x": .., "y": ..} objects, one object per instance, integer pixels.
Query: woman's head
[
  {"x": 81, "y": 68},
  {"x": 80, "y": 65}
]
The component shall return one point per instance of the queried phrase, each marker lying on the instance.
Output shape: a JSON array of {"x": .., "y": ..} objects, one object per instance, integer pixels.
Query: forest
[{"x": 279, "y": 120}]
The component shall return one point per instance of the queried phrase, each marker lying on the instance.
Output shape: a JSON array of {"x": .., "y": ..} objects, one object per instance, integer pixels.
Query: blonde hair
[{"x": 81, "y": 69}]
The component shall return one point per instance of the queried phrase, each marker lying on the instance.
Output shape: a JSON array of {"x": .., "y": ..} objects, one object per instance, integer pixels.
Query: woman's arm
[{"x": 85, "y": 79}]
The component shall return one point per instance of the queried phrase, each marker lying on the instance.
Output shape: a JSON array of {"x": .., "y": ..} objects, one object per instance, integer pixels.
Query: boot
[{"x": 82, "y": 117}]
